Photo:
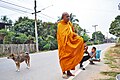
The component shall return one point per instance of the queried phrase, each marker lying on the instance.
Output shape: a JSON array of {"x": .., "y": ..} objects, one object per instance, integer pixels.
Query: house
[{"x": 3, "y": 26}]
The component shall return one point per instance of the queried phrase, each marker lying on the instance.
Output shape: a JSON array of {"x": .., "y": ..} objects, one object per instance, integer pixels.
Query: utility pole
[
  {"x": 95, "y": 31},
  {"x": 107, "y": 37},
  {"x": 119, "y": 6},
  {"x": 36, "y": 33}
]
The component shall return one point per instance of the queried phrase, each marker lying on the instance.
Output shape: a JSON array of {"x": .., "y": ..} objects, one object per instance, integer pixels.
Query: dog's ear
[{"x": 12, "y": 54}]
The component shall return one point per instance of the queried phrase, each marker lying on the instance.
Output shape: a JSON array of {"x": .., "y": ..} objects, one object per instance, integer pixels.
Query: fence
[{"x": 16, "y": 48}]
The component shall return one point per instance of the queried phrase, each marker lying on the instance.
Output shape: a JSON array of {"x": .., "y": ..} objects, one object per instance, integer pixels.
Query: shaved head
[
  {"x": 64, "y": 14},
  {"x": 65, "y": 17}
]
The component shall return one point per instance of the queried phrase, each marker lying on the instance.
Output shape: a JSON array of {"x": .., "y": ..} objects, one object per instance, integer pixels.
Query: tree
[
  {"x": 99, "y": 36},
  {"x": 46, "y": 32},
  {"x": 13, "y": 38},
  {"x": 5, "y": 19},
  {"x": 73, "y": 19},
  {"x": 47, "y": 36},
  {"x": 8, "y": 37},
  {"x": 84, "y": 35},
  {"x": 77, "y": 29},
  {"x": 24, "y": 25},
  {"x": 59, "y": 18},
  {"x": 115, "y": 27},
  {"x": 19, "y": 38}
]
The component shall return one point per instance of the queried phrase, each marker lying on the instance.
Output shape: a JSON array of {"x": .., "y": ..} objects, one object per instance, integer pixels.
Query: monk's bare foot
[
  {"x": 70, "y": 74},
  {"x": 64, "y": 75}
]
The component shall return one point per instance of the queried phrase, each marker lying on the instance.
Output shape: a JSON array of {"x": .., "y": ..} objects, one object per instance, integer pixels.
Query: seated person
[
  {"x": 95, "y": 55},
  {"x": 85, "y": 58}
]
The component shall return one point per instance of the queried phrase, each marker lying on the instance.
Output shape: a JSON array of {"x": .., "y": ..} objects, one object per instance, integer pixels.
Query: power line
[
  {"x": 8, "y": 14},
  {"x": 43, "y": 9},
  {"x": 16, "y": 5},
  {"x": 14, "y": 9},
  {"x": 47, "y": 16}
]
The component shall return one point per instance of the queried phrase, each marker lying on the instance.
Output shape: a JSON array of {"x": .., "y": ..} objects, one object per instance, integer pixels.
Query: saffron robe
[{"x": 70, "y": 46}]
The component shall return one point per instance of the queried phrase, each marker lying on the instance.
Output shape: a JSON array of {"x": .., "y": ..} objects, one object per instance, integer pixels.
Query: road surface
[{"x": 44, "y": 66}]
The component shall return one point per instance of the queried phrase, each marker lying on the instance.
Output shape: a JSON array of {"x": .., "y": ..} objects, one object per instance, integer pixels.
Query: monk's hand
[{"x": 74, "y": 34}]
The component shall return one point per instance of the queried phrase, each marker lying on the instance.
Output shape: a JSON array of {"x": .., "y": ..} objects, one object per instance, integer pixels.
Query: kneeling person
[{"x": 85, "y": 58}]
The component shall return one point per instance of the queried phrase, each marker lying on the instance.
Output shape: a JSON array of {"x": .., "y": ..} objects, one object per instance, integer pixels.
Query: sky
[{"x": 89, "y": 12}]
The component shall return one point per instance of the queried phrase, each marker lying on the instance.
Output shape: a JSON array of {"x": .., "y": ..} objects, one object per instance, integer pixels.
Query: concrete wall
[{"x": 16, "y": 48}]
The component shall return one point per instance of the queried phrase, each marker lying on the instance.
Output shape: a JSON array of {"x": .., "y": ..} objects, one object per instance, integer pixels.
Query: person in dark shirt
[{"x": 85, "y": 58}]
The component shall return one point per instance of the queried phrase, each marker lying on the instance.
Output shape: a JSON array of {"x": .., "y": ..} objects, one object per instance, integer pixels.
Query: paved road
[{"x": 44, "y": 66}]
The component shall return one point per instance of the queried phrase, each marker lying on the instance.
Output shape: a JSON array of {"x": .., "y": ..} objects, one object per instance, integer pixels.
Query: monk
[{"x": 70, "y": 46}]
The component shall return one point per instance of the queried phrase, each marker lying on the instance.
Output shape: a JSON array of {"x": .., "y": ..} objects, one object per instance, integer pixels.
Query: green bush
[
  {"x": 3, "y": 32},
  {"x": 85, "y": 37},
  {"x": 96, "y": 42},
  {"x": 101, "y": 42},
  {"x": 31, "y": 38},
  {"x": 54, "y": 44},
  {"x": 13, "y": 38},
  {"x": 8, "y": 38},
  {"x": 42, "y": 42},
  {"x": 47, "y": 46},
  {"x": 19, "y": 38},
  {"x": 89, "y": 43},
  {"x": 47, "y": 43}
]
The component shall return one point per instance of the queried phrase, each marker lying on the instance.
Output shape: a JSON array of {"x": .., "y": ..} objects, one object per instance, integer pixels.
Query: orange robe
[{"x": 70, "y": 46}]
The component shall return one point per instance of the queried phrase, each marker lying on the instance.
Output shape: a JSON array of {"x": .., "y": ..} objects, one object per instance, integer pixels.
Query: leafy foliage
[
  {"x": 73, "y": 19},
  {"x": 99, "y": 36},
  {"x": 24, "y": 32},
  {"x": 24, "y": 25},
  {"x": 8, "y": 38},
  {"x": 3, "y": 32},
  {"x": 115, "y": 27},
  {"x": 19, "y": 38},
  {"x": 5, "y": 19},
  {"x": 84, "y": 35},
  {"x": 13, "y": 38}
]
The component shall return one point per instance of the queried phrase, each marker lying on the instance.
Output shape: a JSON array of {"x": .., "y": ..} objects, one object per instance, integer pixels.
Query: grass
[
  {"x": 110, "y": 73},
  {"x": 3, "y": 55},
  {"x": 112, "y": 58}
]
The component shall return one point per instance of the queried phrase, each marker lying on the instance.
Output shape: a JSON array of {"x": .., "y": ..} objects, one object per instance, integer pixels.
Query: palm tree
[
  {"x": 4, "y": 19},
  {"x": 73, "y": 19},
  {"x": 59, "y": 18}
]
